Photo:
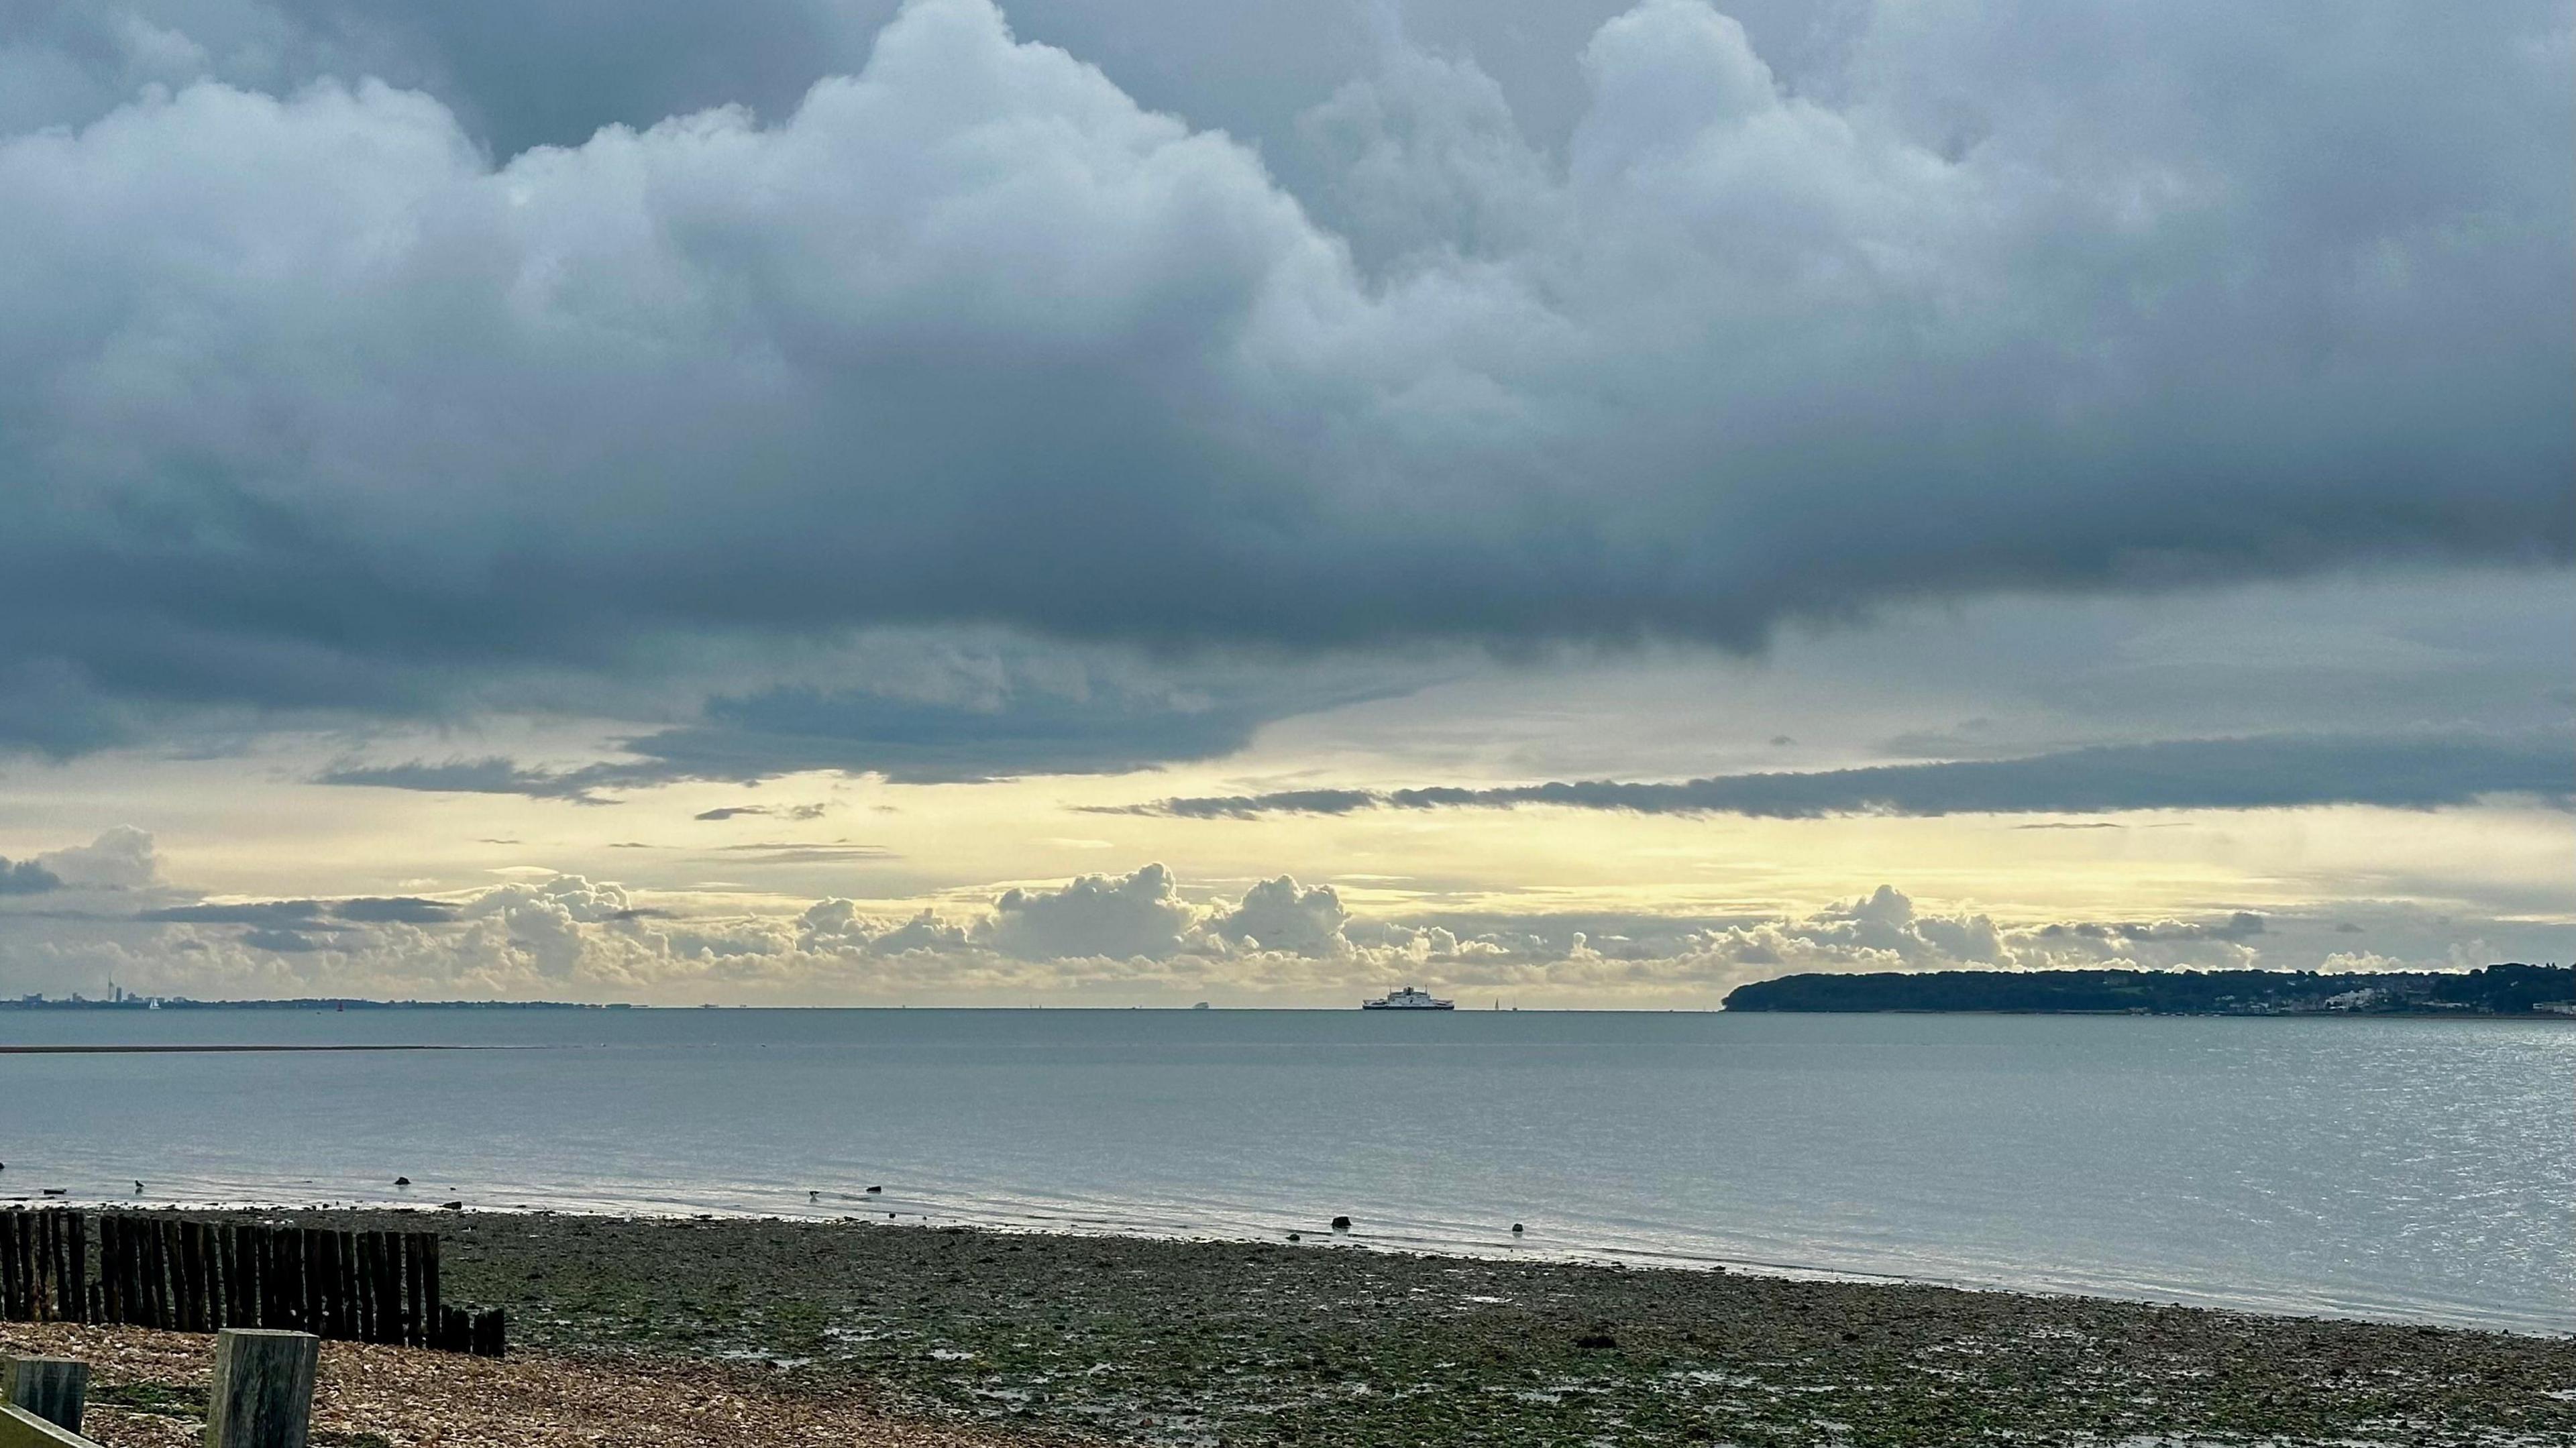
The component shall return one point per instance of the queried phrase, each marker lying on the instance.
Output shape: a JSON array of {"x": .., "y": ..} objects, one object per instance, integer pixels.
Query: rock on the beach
[
  {"x": 1341, "y": 1224},
  {"x": 402, "y": 1181}
]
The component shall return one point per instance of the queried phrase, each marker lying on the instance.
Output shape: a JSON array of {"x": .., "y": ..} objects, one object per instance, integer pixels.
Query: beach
[{"x": 1033, "y": 1337}]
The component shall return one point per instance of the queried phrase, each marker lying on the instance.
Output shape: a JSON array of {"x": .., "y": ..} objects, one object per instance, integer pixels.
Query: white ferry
[{"x": 1408, "y": 999}]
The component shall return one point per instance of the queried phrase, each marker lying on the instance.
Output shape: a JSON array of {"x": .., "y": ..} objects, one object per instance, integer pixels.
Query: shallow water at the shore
[{"x": 2419, "y": 1170}]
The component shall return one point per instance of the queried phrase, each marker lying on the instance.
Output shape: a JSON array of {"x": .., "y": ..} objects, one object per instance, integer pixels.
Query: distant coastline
[
  {"x": 78, "y": 1002},
  {"x": 2511, "y": 989},
  {"x": 2508, "y": 989}
]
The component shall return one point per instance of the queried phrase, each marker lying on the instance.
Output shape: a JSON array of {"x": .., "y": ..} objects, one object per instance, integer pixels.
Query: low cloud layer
[
  {"x": 938, "y": 707},
  {"x": 2183, "y": 774},
  {"x": 310, "y": 402},
  {"x": 1140, "y": 936},
  {"x": 26, "y": 877}
]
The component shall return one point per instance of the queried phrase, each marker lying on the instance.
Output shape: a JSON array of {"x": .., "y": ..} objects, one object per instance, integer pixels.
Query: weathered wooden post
[
  {"x": 54, "y": 1389},
  {"x": 9, "y": 1298},
  {"x": 262, "y": 1395},
  {"x": 430, "y": 1312},
  {"x": 77, "y": 1247}
]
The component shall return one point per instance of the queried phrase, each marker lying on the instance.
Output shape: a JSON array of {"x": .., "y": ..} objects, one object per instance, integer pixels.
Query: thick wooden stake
[
  {"x": 427, "y": 1244},
  {"x": 183, "y": 1303},
  {"x": 259, "y": 1246},
  {"x": 228, "y": 1266},
  {"x": 132, "y": 1307},
  {"x": 79, "y": 1245},
  {"x": 415, "y": 1291},
  {"x": 206, "y": 1268},
  {"x": 317, "y": 1284},
  {"x": 389, "y": 1292},
  {"x": 44, "y": 1256},
  {"x": 54, "y": 1389},
  {"x": 32, "y": 1263},
  {"x": 111, "y": 1305},
  {"x": 338, "y": 1305},
  {"x": 9, "y": 1266},
  {"x": 371, "y": 1286},
  {"x": 361, "y": 1247},
  {"x": 262, "y": 1395}
]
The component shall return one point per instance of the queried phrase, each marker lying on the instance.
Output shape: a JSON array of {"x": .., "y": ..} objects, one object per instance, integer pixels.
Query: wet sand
[{"x": 1188, "y": 1342}]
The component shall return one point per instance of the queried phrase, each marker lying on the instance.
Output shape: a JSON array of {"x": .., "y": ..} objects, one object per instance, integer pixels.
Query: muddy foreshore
[{"x": 1173, "y": 1342}]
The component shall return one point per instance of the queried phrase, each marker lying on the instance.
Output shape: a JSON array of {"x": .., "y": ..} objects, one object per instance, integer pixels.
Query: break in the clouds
[
  {"x": 311, "y": 401},
  {"x": 2229, "y": 774}
]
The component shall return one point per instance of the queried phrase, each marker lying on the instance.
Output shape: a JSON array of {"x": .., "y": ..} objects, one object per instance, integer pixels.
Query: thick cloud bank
[
  {"x": 1108, "y": 939},
  {"x": 2262, "y": 773},
  {"x": 307, "y": 401}
]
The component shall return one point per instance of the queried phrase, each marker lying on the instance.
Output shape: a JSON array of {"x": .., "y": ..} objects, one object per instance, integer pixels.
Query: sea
[{"x": 2400, "y": 1169}]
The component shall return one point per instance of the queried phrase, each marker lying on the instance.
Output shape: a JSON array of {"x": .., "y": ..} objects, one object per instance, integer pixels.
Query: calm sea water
[{"x": 2419, "y": 1170}]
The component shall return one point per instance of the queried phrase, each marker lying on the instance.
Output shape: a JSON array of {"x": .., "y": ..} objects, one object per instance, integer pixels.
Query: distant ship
[{"x": 1408, "y": 999}]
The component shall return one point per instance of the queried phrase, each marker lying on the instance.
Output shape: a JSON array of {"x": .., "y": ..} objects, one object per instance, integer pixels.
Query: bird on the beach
[
  {"x": 813, "y": 1196},
  {"x": 138, "y": 1189}
]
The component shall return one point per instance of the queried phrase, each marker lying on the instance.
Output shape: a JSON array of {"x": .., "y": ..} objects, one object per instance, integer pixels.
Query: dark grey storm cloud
[
  {"x": 791, "y": 852},
  {"x": 2178, "y": 774},
  {"x": 403, "y": 909},
  {"x": 270, "y": 913},
  {"x": 916, "y": 741},
  {"x": 991, "y": 711},
  {"x": 284, "y": 942},
  {"x": 318, "y": 397},
  {"x": 26, "y": 877},
  {"x": 468, "y": 776},
  {"x": 304, "y": 914},
  {"x": 2239, "y": 926}
]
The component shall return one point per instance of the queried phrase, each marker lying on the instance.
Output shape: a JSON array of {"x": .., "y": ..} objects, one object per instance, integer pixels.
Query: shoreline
[
  {"x": 1185, "y": 1342},
  {"x": 224, "y": 1050},
  {"x": 1516, "y": 1253},
  {"x": 375, "y": 1008}
]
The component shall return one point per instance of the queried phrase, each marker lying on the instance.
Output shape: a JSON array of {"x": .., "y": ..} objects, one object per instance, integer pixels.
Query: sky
[{"x": 1088, "y": 503}]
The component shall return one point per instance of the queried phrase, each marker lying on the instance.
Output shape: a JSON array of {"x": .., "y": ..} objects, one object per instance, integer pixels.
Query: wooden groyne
[{"x": 153, "y": 1270}]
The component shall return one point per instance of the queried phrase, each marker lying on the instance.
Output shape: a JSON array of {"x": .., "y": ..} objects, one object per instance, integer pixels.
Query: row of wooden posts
[
  {"x": 153, "y": 1270},
  {"x": 261, "y": 1394}
]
